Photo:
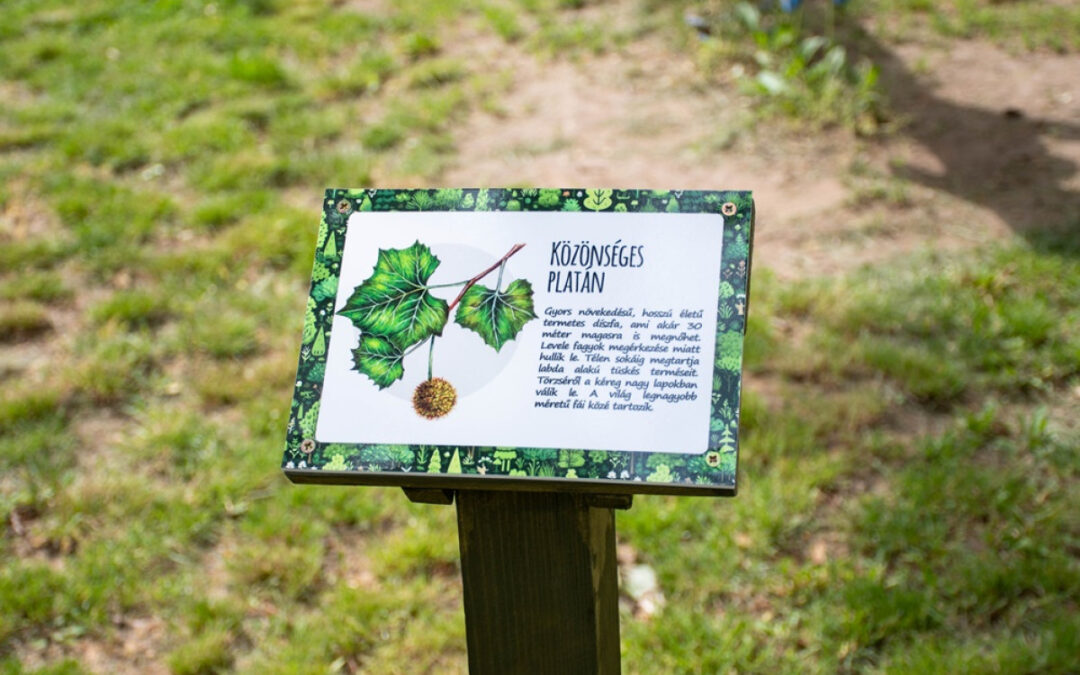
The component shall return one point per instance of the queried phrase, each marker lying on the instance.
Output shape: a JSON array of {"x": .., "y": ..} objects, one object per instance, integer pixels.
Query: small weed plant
[{"x": 792, "y": 70}]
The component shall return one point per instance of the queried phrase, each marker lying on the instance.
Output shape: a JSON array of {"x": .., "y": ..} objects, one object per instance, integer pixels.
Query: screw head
[{"x": 728, "y": 209}]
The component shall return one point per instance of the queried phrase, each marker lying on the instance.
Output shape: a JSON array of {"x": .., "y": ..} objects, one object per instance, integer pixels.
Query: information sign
[{"x": 533, "y": 339}]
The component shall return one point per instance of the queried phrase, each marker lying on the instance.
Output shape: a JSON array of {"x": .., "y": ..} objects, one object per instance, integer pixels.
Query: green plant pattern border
[{"x": 714, "y": 471}]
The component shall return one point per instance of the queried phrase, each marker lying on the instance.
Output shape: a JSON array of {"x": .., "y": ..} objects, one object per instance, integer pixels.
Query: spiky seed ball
[{"x": 434, "y": 398}]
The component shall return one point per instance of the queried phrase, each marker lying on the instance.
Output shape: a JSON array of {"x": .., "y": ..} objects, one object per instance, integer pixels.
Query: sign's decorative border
[{"x": 712, "y": 472}]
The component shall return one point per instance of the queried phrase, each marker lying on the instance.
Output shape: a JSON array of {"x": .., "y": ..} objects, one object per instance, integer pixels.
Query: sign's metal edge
[{"x": 495, "y": 482}]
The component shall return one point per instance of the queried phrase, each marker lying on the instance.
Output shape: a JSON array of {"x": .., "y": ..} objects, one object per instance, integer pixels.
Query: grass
[
  {"x": 1003, "y": 322},
  {"x": 23, "y": 320},
  {"x": 43, "y": 287},
  {"x": 909, "y": 466},
  {"x": 1030, "y": 26},
  {"x": 796, "y": 66},
  {"x": 805, "y": 66}
]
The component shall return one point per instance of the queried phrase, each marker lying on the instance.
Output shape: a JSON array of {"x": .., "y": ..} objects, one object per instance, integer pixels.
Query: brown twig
[{"x": 469, "y": 284}]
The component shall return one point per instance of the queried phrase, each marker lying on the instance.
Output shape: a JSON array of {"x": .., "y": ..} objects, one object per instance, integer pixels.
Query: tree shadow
[{"x": 998, "y": 159}]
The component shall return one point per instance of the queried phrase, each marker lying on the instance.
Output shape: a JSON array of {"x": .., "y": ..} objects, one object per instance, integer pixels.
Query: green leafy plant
[
  {"x": 811, "y": 73},
  {"x": 397, "y": 314},
  {"x": 811, "y": 77}
]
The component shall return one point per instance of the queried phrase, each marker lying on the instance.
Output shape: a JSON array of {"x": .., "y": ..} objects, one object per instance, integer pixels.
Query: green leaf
[
  {"x": 380, "y": 359},
  {"x": 772, "y": 83},
  {"x": 394, "y": 301},
  {"x": 496, "y": 315},
  {"x": 749, "y": 15}
]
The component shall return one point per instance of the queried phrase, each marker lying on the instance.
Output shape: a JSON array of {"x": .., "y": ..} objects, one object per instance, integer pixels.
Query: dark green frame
[{"x": 713, "y": 472}]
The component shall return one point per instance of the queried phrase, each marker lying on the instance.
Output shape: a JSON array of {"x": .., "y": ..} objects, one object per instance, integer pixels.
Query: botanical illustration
[
  {"x": 398, "y": 311},
  {"x": 397, "y": 314}
]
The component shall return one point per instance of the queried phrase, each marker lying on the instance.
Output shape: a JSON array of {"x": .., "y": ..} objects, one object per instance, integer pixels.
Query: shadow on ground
[{"x": 999, "y": 159}]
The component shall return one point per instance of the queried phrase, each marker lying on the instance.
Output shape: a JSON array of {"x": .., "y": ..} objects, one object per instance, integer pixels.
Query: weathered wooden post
[
  {"x": 540, "y": 579},
  {"x": 541, "y": 592},
  {"x": 595, "y": 356}
]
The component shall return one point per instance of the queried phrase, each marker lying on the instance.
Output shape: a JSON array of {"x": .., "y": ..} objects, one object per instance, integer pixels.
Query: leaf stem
[
  {"x": 430, "y": 356},
  {"x": 498, "y": 263}
]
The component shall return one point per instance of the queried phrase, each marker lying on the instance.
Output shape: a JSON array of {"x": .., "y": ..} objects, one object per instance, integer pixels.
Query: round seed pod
[{"x": 434, "y": 398}]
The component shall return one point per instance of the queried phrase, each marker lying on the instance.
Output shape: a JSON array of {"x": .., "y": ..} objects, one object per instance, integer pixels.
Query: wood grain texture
[{"x": 541, "y": 592}]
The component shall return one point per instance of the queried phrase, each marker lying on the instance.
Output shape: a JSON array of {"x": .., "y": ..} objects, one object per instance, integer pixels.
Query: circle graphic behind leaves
[{"x": 461, "y": 356}]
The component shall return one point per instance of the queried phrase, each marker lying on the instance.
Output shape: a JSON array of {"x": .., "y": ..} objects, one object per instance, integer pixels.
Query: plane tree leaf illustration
[
  {"x": 497, "y": 316},
  {"x": 380, "y": 359},
  {"x": 397, "y": 314},
  {"x": 394, "y": 302}
]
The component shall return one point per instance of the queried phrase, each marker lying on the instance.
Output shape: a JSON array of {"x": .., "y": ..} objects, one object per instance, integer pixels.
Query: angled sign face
[{"x": 534, "y": 339}]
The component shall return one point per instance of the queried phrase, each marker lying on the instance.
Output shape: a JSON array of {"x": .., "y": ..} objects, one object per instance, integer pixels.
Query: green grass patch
[
  {"x": 109, "y": 222},
  {"x": 134, "y": 309},
  {"x": 434, "y": 73},
  {"x": 219, "y": 211},
  {"x": 270, "y": 239},
  {"x": 29, "y": 596},
  {"x": 112, "y": 365},
  {"x": 245, "y": 170},
  {"x": 793, "y": 64},
  {"x": 26, "y": 404},
  {"x": 974, "y": 530},
  {"x": 505, "y": 21},
  {"x": 23, "y": 320},
  {"x": 1031, "y": 25},
  {"x": 226, "y": 336},
  {"x": 38, "y": 286},
  {"x": 40, "y": 456},
  {"x": 947, "y": 330},
  {"x": 211, "y": 651},
  {"x": 419, "y": 45},
  {"x": 258, "y": 69},
  {"x": 207, "y": 131},
  {"x": 35, "y": 253},
  {"x": 178, "y": 443},
  {"x": 383, "y": 136},
  {"x": 363, "y": 76},
  {"x": 229, "y": 383}
]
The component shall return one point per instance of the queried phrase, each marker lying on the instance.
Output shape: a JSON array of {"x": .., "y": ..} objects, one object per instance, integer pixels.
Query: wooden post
[{"x": 541, "y": 593}]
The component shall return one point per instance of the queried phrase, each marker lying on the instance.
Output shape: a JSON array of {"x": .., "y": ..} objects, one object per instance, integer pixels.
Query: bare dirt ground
[{"x": 987, "y": 142}]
